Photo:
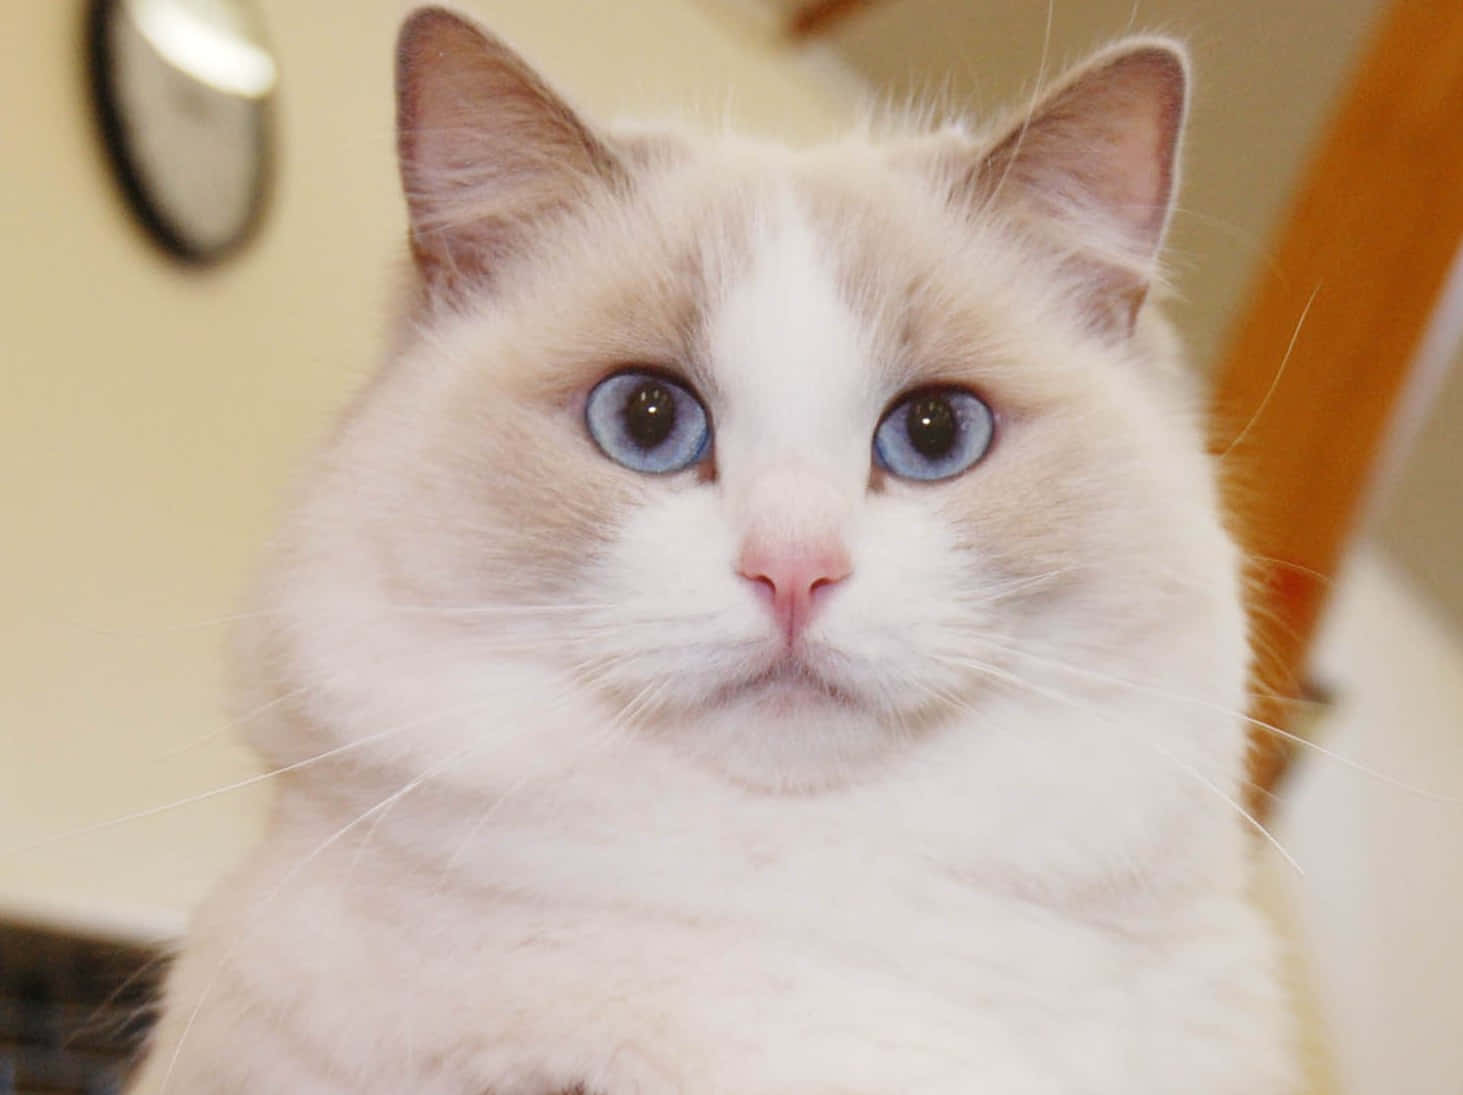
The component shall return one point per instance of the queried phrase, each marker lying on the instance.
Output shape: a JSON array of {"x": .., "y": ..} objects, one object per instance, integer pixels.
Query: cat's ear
[
  {"x": 1092, "y": 168},
  {"x": 487, "y": 150}
]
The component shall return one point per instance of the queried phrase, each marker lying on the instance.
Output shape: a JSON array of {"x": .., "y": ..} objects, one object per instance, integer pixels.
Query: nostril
[
  {"x": 763, "y": 583},
  {"x": 792, "y": 577},
  {"x": 830, "y": 569}
]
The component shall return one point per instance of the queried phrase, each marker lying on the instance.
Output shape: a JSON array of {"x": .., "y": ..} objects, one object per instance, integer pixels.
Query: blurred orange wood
[
  {"x": 821, "y": 16},
  {"x": 1372, "y": 234}
]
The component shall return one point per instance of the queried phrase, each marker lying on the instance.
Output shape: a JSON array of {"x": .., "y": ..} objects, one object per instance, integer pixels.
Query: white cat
[{"x": 767, "y": 629}]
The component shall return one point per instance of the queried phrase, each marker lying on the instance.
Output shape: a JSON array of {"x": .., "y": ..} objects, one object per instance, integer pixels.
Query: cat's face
[{"x": 789, "y": 460}]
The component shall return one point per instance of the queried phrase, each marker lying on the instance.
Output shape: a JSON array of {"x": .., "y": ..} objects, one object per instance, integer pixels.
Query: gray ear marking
[
  {"x": 1091, "y": 169},
  {"x": 486, "y": 148}
]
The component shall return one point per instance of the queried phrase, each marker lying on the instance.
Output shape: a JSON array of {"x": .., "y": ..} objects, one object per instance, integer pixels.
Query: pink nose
[{"x": 792, "y": 576}]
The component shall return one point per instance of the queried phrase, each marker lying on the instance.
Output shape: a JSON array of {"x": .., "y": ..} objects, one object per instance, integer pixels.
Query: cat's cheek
[
  {"x": 670, "y": 611},
  {"x": 912, "y": 577},
  {"x": 674, "y": 550}
]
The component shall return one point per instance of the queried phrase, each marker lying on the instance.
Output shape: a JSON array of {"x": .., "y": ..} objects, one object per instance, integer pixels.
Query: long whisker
[
  {"x": 607, "y": 735},
  {"x": 289, "y": 876},
  {"x": 613, "y": 728},
  {"x": 1035, "y": 581},
  {"x": 1038, "y": 90},
  {"x": 1259, "y": 724},
  {"x": 235, "y": 724},
  {"x": 510, "y": 792},
  {"x": 507, "y": 610},
  {"x": 1253, "y": 821},
  {"x": 1188, "y": 769},
  {"x": 248, "y": 781},
  {"x": 1275, "y": 381}
]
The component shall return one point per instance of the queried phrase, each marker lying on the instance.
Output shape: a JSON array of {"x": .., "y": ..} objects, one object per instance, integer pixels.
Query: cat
[{"x": 767, "y": 628}]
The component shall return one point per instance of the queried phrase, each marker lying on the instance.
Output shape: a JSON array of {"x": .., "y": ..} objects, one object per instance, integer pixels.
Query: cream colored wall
[{"x": 150, "y": 417}]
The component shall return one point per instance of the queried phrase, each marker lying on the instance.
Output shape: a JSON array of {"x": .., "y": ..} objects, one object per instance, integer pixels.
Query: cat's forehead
[
  {"x": 837, "y": 279},
  {"x": 803, "y": 286},
  {"x": 783, "y": 333}
]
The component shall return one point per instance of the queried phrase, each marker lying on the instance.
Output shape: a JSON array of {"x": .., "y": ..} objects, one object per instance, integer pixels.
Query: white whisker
[
  {"x": 238, "y": 722},
  {"x": 1183, "y": 766},
  {"x": 613, "y": 727},
  {"x": 1286, "y": 735},
  {"x": 241, "y": 784},
  {"x": 1253, "y": 821},
  {"x": 289, "y": 876},
  {"x": 1275, "y": 382},
  {"x": 1038, "y": 90}
]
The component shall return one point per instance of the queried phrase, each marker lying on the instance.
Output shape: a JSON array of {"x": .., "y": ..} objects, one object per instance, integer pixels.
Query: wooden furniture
[
  {"x": 817, "y": 17},
  {"x": 1306, "y": 392}
]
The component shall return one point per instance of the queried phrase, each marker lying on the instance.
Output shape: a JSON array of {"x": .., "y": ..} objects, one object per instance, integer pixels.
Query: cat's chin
[
  {"x": 789, "y": 687},
  {"x": 788, "y": 733}
]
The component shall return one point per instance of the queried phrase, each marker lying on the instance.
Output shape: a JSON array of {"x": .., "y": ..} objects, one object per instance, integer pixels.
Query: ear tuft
[
  {"x": 1093, "y": 167},
  {"x": 487, "y": 150}
]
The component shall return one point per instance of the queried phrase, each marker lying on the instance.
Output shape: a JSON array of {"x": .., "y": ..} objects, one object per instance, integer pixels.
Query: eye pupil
[
  {"x": 649, "y": 414},
  {"x": 647, "y": 422},
  {"x": 934, "y": 433},
  {"x": 932, "y": 426}
]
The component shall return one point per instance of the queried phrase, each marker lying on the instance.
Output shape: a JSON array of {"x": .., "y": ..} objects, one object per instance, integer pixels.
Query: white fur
[{"x": 1031, "y": 879}]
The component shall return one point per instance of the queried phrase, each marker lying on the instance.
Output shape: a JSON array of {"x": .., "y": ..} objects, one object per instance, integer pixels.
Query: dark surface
[
  {"x": 112, "y": 128},
  {"x": 73, "y": 1011}
]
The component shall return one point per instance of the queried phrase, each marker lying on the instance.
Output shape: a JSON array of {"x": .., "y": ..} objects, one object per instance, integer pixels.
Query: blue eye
[
  {"x": 647, "y": 422},
  {"x": 934, "y": 433}
]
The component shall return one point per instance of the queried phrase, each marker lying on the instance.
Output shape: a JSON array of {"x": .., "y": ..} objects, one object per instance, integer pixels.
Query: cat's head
[{"x": 789, "y": 462}]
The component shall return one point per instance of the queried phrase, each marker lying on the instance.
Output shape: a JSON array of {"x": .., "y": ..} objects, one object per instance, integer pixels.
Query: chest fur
[{"x": 888, "y": 984}]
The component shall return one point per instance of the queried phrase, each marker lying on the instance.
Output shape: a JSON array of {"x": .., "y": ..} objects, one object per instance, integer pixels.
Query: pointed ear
[
  {"x": 487, "y": 150},
  {"x": 1092, "y": 169}
]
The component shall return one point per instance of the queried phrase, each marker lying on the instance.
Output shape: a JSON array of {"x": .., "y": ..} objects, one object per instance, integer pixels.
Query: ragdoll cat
[{"x": 767, "y": 629}]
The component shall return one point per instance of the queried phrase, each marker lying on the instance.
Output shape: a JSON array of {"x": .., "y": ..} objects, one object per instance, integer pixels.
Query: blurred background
[{"x": 160, "y": 380}]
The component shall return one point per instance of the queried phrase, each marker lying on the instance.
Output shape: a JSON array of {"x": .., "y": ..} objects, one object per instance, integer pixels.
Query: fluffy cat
[{"x": 767, "y": 629}]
